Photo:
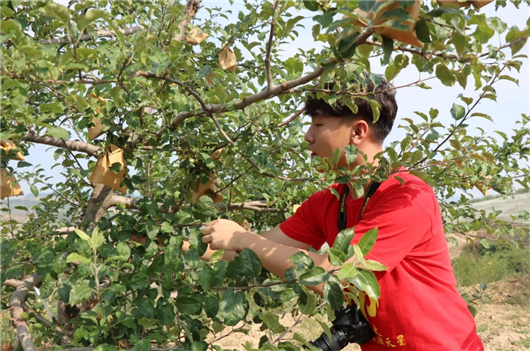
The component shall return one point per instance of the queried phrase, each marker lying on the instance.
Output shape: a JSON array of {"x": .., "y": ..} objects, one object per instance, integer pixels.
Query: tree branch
[
  {"x": 292, "y": 118},
  {"x": 16, "y": 306},
  {"x": 269, "y": 45},
  {"x": 101, "y": 33},
  {"x": 190, "y": 11},
  {"x": 72, "y": 145},
  {"x": 265, "y": 94}
]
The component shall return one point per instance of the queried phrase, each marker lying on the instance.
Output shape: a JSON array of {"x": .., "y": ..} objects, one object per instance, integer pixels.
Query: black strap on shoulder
[{"x": 341, "y": 220}]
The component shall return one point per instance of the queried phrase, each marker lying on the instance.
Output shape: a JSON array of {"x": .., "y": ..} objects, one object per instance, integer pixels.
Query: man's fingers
[
  {"x": 206, "y": 239},
  {"x": 207, "y": 230}
]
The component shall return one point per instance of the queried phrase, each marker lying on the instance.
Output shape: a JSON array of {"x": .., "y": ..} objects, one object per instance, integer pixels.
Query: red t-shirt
[{"x": 420, "y": 307}]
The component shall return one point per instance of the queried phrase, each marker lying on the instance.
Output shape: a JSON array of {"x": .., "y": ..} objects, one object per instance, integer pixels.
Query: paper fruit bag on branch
[
  {"x": 477, "y": 3},
  {"x": 96, "y": 130},
  {"x": 209, "y": 188},
  {"x": 227, "y": 59},
  {"x": 103, "y": 174},
  {"x": 195, "y": 37},
  {"x": 9, "y": 185},
  {"x": 407, "y": 36},
  {"x": 7, "y": 145}
]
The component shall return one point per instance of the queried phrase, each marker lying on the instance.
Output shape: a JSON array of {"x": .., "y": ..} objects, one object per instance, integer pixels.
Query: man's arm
[
  {"x": 275, "y": 257},
  {"x": 275, "y": 235}
]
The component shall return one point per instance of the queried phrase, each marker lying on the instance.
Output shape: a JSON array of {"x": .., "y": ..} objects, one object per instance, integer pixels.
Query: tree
[{"x": 191, "y": 119}]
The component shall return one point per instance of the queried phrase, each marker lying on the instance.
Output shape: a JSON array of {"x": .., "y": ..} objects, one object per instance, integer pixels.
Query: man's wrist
[{"x": 246, "y": 240}]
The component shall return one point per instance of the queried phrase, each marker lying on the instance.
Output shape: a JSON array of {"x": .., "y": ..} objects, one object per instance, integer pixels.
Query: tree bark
[
  {"x": 190, "y": 11},
  {"x": 16, "y": 303}
]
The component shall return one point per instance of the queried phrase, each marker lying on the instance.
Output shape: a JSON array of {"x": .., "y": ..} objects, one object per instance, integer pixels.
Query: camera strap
[{"x": 341, "y": 220}]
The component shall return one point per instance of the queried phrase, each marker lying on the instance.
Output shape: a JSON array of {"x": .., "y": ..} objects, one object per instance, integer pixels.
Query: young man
[{"x": 420, "y": 307}]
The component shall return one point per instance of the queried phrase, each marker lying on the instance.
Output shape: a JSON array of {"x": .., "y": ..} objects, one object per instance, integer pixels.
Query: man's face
[{"x": 327, "y": 134}]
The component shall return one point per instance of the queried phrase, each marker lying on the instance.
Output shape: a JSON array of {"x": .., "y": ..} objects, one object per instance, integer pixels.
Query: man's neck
[{"x": 369, "y": 159}]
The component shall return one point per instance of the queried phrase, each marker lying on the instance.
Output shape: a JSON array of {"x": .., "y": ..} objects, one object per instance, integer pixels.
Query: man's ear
[{"x": 359, "y": 132}]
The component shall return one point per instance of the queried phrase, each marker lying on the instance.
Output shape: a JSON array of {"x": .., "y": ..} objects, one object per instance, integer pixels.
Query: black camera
[{"x": 349, "y": 326}]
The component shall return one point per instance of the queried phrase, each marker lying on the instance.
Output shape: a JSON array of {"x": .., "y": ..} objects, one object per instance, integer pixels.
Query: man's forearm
[{"x": 276, "y": 257}]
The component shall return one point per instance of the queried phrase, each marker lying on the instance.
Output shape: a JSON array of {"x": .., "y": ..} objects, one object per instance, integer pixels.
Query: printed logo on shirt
[
  {"x": 368, "y": 305},
  {"x": 397, "y": 341}
]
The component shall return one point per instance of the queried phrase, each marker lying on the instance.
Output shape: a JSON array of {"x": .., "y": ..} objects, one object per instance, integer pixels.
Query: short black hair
[{"x": 373, "y": 87}]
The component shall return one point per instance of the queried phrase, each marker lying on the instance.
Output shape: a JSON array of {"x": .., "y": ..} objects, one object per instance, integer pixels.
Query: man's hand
[{"x": 223, "y": 234}]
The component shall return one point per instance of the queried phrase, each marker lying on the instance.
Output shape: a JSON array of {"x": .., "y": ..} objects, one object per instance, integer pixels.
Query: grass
[{"x": 477, "y": 264}]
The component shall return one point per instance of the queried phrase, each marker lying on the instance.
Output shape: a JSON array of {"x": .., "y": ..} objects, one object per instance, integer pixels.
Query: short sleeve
[
  {"x": 304, "y": 225},
  {"x": 403, "y": 215}
]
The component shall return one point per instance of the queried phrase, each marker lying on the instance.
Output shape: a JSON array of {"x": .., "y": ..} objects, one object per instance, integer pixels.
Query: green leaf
[
  {"x": 351, "y": 154},
  {"x": 333, "y": 294},
  {"x": 206, "y": 277},
  {"x": 166, "y": 227},
  {"x": 347, "y": 271},
  {"x": 374, "y": 265},
  {"x": 165, "y": 312},
  {"x": 311, "y": 5},
  {"x": 445, "y": 75},
  {"x": 233, "y": 307},
  {"x": 302, "y": 261},
  {"x": 97, "y": 238},
  {"x": 367, "y": 241},
  {"x": 307, "y": 301},
  {"x": 73, "y": 257},
  {"x": 272, "y": 322},
  {"x": 313, "y": 277},
  {"x": 142, "y": 345},
  {"x": 247, "y": 264},
  {"x": 188, "y": 305},
  {"x": 57, "y": 132},
  {"x": 152, "y": 229},
  {"x": 367, "y": 282},
  {"x": 211, "y": 306},
  {"x": 376, "y": 109},
  {"x": 52, "y": 9},
  {"x": 458, "y": 111},
  {"x": 83, "y": 235},
  {"x": 460, "y": 42},
  {"x": 336, "y": 155},
  {"x": 51, "y": 107},
  {"x": 388, "y": 47},
  {"x": 347, "y": 45},
  {"x": 483, "y": 115},
  {"x": 422, "y": 31},
  {"x": 343, "y": 240},
  {"x": 336, "y": 257},
  {"x": 90, "y": 16},
  {"x": 34, "y": 190},
  {"x": 80, "y": 292}
]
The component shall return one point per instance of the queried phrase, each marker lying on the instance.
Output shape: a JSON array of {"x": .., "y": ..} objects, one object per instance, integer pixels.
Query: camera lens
[{"x": 338, "y": 341}]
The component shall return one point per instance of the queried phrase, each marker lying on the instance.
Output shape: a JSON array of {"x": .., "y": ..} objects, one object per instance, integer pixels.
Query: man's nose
[{"x": 309, "y": 136}]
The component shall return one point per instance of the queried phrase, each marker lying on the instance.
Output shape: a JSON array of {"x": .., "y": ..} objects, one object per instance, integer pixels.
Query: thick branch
[
  {"x": 114, "y": 200},
  {"x": 265, "y": 94},
  {"x": 102, "y": 33},
  {"x": 72, "y": 145},
  {"x": 46, "y": 322},
  {"x": 190, "y": 11},
  {"x": 15, "y": 305},
  {"x": 269, "y": 45}
]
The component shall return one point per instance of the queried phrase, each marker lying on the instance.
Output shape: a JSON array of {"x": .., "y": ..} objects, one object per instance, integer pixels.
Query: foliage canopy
[{"x": 207, "y": 105}]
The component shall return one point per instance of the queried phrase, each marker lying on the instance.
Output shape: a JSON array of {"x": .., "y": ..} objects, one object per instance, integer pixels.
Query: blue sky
[{"x": 512, "y": 100}]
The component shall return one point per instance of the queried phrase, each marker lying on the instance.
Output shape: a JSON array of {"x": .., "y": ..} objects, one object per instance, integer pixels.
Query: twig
[
  {"x": 101, "y": 33},
  {"x": 269, "y": 45},
  {"x": 292, "y": 118}
]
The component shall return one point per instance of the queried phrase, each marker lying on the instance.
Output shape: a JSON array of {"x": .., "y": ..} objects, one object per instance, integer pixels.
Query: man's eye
[{"x": 318, "y": 125}]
